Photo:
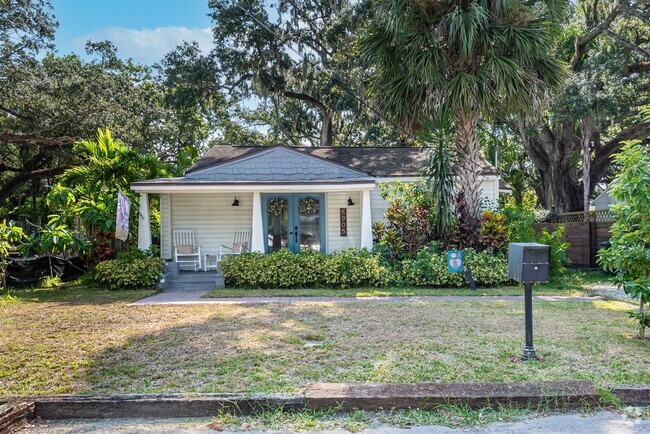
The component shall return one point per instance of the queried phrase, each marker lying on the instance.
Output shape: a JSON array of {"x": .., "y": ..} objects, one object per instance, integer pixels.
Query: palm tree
[{"x": 473, "y": 57}]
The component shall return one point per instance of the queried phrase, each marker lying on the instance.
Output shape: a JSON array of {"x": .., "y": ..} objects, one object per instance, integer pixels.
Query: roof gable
[{"x": 278, "y": 163}]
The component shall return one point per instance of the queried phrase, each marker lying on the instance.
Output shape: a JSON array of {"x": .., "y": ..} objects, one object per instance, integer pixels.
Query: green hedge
[
  {"x": 130, "y": 273},
  {"x": 307, "y": 269},
  {"x": 429, "y": 268},
  {"x": 357, "y": 269}
]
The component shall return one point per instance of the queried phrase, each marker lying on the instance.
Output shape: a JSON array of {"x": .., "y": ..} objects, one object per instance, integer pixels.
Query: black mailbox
[{"x": 529, "y": 262}]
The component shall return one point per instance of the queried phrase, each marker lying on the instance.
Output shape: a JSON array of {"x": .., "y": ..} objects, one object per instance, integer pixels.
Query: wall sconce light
[
  {"x": 350, "y": 203},
  {"x": 235, "y": 202}
]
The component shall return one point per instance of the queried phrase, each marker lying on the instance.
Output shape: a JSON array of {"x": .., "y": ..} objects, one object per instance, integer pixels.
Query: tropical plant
[
  {"x": 85, "y": 199},
  {"x": 465, "y": 232},
  {"x": 10, "y": 236},
  {"x": 493, "y": 231},
  {"x": 438, "y": 135},
  {"x": 629, "y": 254},
  {"x": 409, "y": 222},
  {"x": 472, "y": 57}
]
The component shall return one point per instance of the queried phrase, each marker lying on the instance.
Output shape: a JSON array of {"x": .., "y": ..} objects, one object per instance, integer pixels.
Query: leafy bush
[
  {"x": 629, "y": 254},
  {"x": 307, "y": 269},
  {"x": 409, "y": 219},
  {"x": 558, "y": 245},
  {"x": 493, "y": 232},
  {"x": 520, "y": 221},
  {"x": 429, "y": 268},
  {"x": 140, "y": 273},
  {"x": 520, "y": 225}
]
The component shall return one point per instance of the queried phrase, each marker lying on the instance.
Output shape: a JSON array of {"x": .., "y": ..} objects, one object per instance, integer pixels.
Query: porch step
[
  {"x": 190, "y": 286},
  {"x": 194, "y": 281},
  {"x": 195, "y": 277}
]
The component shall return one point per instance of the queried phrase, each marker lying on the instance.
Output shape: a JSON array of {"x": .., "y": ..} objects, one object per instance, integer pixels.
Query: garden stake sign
[
  {"x": 455, "y": 261},
  {"x": 529, "y": 263}
]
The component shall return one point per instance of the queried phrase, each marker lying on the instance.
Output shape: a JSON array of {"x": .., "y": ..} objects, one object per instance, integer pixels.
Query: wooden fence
[
  {"x": 584, "y": 237},
  {"x": 601, "y": 215}
]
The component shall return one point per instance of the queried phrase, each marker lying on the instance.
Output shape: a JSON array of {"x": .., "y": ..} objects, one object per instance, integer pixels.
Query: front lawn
[{"x": 79, "y": 341}]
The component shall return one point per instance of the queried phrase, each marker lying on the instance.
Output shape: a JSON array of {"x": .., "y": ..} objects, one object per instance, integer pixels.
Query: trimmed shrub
[
  {"x": 429, "y": 268},
  {"x": 307, "y": 269},
  {"x": 140, "y": 273}
]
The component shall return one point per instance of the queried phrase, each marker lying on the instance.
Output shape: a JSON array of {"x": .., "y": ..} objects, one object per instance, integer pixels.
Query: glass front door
[{"x": 293, "y": 221}]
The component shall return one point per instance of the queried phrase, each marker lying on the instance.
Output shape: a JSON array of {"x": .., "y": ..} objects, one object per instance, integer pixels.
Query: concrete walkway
[
  {"x": 194, "y": 297},
  {"x": 610, "y": 291},
  {"x": 601, "y": 422}
]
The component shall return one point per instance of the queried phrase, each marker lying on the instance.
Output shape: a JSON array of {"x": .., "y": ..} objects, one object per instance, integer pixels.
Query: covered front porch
[{"x": 324, "y": 217}]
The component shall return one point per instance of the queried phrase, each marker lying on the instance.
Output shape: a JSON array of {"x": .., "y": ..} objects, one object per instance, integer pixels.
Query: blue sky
[{"x": 142, "y": 29}]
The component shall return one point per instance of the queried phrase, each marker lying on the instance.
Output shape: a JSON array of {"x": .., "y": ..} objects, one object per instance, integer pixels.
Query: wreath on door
[
  {"x": 309, "y": 206},
  {"x": 277, "y": 207}
]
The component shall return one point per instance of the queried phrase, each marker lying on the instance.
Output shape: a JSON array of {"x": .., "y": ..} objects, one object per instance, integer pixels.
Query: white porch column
[
  {"x": 257, "y": 229},
  {"x": 144, "y": 223},
  {"x": 366, "y": 221}
]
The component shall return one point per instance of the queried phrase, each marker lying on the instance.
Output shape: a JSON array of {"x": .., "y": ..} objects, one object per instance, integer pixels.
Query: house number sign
[{"x": 344, "y": 222}]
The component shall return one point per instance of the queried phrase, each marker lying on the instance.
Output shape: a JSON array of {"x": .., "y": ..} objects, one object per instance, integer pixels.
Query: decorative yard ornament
[
  {"x": 455, "y": 261},
  {"x": 122, "y": 219}
]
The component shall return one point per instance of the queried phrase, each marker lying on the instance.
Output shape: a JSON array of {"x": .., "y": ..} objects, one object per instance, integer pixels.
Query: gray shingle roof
[{"x": 375, "y": 161}]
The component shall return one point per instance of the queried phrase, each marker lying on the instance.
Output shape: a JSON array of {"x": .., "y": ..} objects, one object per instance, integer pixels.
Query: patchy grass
[
  {"x": 358, "y": 420},
  {"x": 76, "y": 340},
  {"x": 382, "y": 292},
  {"x": 572, "y": 282}
]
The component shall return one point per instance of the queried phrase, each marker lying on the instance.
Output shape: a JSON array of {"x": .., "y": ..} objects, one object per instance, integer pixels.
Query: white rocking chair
[
  {"x": 240, "y": 244},
  {"x": 186, "y": 252}
]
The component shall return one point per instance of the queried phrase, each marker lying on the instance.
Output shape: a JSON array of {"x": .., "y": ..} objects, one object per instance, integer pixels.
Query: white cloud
[{"x": 147, "y": 45}]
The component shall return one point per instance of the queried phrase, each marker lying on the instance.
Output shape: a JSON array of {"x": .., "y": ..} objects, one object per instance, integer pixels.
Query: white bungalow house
[{"x": 282, "y": 197}]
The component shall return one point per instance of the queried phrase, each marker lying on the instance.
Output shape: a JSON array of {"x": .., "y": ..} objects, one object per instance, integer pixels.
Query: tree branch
[
  {"x": 34, "y": 139},
  {"x": 306, "y": 98},
  {"x": 636, "y": 68},
  {"x": 632, "y": 46},
  {"x": 9, "y": 187},
  {"x": 580, "y": 45}
]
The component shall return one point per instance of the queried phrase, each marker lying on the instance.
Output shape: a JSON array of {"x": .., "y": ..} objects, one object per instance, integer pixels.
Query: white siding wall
[
  {"x": 377, "y": 205},
  {"x": 211, "y": 216},
  {"x": 165, "y": 226},
  {"x": 333, "y": 202},
  {"x": 490, "y": 189}
]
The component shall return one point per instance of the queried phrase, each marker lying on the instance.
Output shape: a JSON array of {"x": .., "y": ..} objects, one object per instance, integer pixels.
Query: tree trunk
[
  {"x": 327, "y": 128},
  {"x": 586, "y": 163},
  {"x": 551, "y": 152},
  {"x": 641, "y": 327},
  {"x": 469, "y": 166}
]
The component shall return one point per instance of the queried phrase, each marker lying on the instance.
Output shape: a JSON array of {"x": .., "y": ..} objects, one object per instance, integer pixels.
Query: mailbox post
[{"x": 529, "y": 263}]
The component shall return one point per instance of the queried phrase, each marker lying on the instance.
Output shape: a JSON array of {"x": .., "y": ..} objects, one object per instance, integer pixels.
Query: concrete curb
[
  {"x": 632, "y": 395},
  {"x": 158, "y": 406},
  {"x": 15, "y": 411},
  {"x": 552, "y": 394},
  {"x": 14, "y": 416}
]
